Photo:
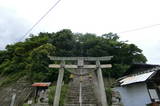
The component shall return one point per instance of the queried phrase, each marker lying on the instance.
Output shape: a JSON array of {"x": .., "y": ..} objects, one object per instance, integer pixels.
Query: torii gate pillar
[
  {"x": 101, "y": 84},
  {"x": 59, "y": 84}
]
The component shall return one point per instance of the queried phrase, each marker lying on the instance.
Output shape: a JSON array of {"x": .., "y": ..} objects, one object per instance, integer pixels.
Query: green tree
[
  {"x": 39, "y": 62},
  {"x": 30, "y": 58}
]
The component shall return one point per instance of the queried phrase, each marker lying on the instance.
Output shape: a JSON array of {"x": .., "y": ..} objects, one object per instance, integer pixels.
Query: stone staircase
[{"x": 88, "y": 96}]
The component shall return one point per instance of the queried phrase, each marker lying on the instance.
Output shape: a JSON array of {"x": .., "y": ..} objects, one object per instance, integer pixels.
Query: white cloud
[{"x": 12, "y": 27}]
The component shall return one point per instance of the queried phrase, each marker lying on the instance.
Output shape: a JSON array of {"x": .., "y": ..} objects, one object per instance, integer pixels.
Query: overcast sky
[{"x": 93, "y": 16}]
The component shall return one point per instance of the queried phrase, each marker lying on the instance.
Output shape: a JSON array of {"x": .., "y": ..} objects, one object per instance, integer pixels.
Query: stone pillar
[
  {"x": 13, "y": 99},
  {"x": 59, "y": 84},
  {"x": 101, "y": 84}
]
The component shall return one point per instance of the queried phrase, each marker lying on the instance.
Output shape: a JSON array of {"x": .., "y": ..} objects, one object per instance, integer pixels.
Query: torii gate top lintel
[
  {"x": 105, "y": 58},
  {"x": 80, "y": 61}
]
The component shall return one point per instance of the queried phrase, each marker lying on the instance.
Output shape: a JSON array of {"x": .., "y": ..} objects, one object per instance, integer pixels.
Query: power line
[
  {"x": 141, "y": 28},
  {"x": 34, "y": 25}
]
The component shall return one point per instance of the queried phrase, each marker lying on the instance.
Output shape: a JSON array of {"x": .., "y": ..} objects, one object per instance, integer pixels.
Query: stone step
[
  {"x": 82, "y": 105},
  {"x": 77, "y": 102},
  {"x": 83, "y": 100}
]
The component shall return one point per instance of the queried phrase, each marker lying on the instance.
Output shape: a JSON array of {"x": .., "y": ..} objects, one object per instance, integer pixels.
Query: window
[{"x": 154, "y": 95}]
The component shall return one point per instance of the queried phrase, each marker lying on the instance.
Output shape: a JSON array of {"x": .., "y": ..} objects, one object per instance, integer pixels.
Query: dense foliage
[{"x": 30, "y": 58}]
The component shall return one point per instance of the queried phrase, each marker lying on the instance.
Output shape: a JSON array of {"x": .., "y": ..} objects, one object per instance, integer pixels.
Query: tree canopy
[{"x": 30, "y": 58}]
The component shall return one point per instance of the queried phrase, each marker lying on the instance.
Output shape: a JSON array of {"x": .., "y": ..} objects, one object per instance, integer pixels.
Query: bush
[{"x": 109, "y": 96}]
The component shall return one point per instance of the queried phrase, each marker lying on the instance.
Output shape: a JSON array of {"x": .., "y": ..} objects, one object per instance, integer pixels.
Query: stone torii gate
[{"x": 80, "y": 65}]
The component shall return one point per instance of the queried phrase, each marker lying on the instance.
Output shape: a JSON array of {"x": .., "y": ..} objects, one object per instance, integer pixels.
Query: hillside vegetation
[{"x": 29, "y": 59}]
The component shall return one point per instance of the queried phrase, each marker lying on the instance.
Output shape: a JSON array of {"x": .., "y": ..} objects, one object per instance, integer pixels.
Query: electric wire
[
  {"x": 140, "y": 28},
  {"x": 41, "y": 18}
]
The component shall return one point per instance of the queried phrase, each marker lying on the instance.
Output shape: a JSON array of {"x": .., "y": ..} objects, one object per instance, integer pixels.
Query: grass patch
[
  {"x": 109, "y": 96},
  {"x": 64, "y": 93},
  {"x": 26, "y": 104},
  {"x": 51, "y": 93}
]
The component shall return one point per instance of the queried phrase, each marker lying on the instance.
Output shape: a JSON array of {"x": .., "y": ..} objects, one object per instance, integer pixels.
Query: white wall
[{"x": 134, "y": 94}]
